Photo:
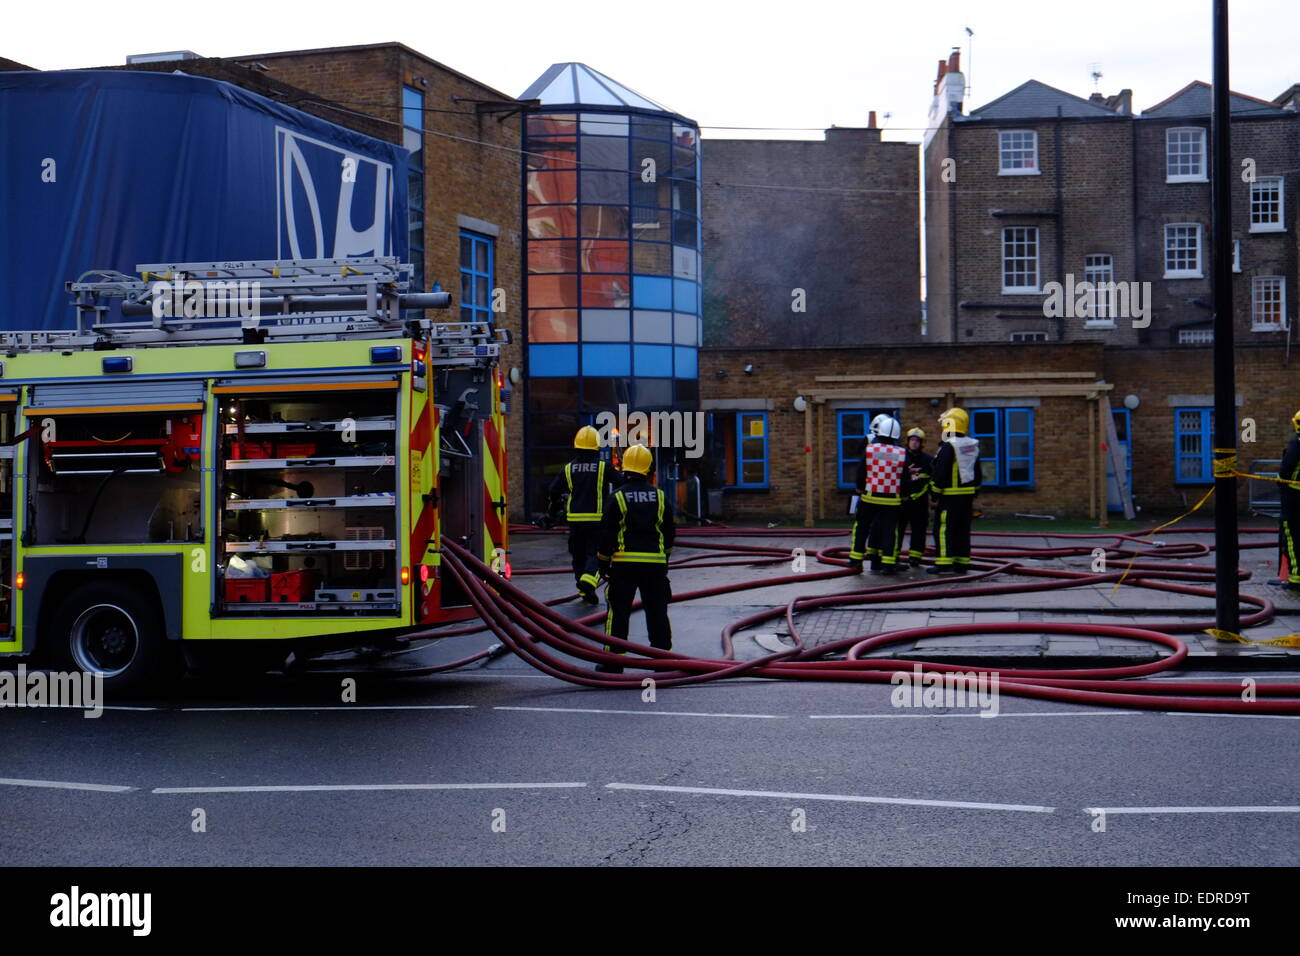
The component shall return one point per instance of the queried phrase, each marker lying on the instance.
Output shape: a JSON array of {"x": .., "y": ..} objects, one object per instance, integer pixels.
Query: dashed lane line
[
  {"x": 64, "y": 785},
  {"x": 834, "y": 797},
  {"x": 325, "y": 788}
]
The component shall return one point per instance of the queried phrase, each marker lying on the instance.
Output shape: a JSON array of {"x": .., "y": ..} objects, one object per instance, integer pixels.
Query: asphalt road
[{"x": 503, "y": 766}]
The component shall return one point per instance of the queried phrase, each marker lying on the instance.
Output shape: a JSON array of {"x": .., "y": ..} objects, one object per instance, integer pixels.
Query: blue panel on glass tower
[
  {"x": 606, "y": 360},
  {"x": 685, "y": 295},
  {"x": 651, "y": 292},
  {"x": 551, "y": 361},
  {"x": 654, "y": 361},
  {"x": 687, "y": 362}
]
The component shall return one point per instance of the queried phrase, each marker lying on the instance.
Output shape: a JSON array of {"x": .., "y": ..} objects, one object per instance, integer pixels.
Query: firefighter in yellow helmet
[
  {"x": 1288, "y": 524},
  {"x": 955, "y": 477},
  {"x": 915, "y": 513},
  {"x": 582, "y": 489},
  {"x": 636, "y": 538}
]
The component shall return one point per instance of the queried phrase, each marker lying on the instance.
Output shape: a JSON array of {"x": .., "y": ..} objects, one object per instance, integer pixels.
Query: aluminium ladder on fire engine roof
[{"x": 317, "y": 299}]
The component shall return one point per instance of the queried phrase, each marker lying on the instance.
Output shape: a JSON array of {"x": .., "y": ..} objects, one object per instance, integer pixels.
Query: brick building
[
  {"x": 1040, "y": 187},
  {"x": 811, "y": 243},
  {"x": 1038, "y": 410}
]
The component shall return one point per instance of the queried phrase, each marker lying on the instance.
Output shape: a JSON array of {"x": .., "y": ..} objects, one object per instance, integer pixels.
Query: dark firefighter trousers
[
  {"x": 1288, "y": 537},
  {"x": 625, "y": 579},
  {"x": 952, "y": 516},
  {"x": 914, "y": 515},
  {"x": 583, "y": 536},
  {"x": 875, "y": 534}
]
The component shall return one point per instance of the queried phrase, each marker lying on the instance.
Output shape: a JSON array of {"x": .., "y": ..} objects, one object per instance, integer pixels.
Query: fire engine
[{"x": 281, "y": 480}]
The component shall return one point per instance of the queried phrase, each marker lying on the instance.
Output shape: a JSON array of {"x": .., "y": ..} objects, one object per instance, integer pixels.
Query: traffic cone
[{"x": 1283, "y": 571}]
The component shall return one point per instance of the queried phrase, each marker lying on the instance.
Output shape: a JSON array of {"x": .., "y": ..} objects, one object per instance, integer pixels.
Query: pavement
[{"x": 697, "y": 624}]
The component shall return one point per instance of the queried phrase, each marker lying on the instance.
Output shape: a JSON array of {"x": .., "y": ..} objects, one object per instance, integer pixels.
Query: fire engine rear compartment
[{"x": 307, "y": 501}]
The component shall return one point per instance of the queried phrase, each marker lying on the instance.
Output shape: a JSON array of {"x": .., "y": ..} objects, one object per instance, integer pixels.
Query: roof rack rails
[{"x": 203, "y": 303}]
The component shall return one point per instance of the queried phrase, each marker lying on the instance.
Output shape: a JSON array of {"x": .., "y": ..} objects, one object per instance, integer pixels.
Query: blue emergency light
[
  {"x": 121, "y": 363},
  {"x": 385, "y": 354}
]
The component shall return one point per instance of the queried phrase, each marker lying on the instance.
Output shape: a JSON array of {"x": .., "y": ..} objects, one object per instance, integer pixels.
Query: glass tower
[{"x": 612, "y": 198}]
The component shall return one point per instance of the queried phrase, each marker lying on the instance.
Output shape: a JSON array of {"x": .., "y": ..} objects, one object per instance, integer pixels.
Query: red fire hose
[{"x": 547, "y": 640}]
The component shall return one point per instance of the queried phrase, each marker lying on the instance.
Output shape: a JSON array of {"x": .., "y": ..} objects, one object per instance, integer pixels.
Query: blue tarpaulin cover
[{"x": 105, "y": 169}]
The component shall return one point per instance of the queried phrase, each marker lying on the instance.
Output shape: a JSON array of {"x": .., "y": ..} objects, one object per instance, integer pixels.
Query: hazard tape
[
  {"x": 1290, "y": 640},
  {"x": 1226, "y": 467}
]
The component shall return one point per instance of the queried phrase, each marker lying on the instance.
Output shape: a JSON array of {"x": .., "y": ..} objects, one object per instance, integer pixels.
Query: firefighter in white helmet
[
  {"x": 878, "y": 481},
  {"x": 915, "y": 512},
  {"x": 955, "y": 478}
]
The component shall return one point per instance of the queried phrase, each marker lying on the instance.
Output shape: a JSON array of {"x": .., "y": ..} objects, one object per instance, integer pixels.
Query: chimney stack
[{"x": 871, "y": 120}]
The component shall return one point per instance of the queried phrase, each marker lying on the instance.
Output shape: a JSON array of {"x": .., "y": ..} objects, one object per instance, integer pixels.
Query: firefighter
[
  {"x": 915, "y": 492},
  {"x": 955, "y": 477},
  {"x": 878, "y": 480},
  {"x": 1288, "y": 522},
  {"x": 636, "y": 538},
  {"x": 582, "y": 489}
]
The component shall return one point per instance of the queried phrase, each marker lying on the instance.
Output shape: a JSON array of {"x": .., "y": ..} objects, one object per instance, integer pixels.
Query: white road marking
[
  {"x": 641, "y": 713},
  {"x": 307, "y": 707},
  {"x": 1051, "y": 713},
  {"x": 1191, "y": 809},
  {"x": 1178, "y": 713},
  {"x": 781, "y": 795},
  {"x": 62, "y": 785},
  {"x": 312, "y": 788}
]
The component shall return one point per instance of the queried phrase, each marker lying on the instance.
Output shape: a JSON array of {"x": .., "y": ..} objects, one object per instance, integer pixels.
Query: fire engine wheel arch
[
  {"x": 50, "y": 579},
  {"x": 110, "y": 625}
]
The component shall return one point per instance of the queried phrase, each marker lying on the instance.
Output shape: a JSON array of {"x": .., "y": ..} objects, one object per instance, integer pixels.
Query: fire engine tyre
[{"x": 110, "y": 628}]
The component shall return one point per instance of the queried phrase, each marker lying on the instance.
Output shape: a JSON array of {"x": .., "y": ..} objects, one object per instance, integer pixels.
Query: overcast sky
[{"x": 811, "y": 63}]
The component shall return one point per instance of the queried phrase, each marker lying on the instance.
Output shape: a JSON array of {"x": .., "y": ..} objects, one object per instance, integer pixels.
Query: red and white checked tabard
[{"x": 884, "y": 469}]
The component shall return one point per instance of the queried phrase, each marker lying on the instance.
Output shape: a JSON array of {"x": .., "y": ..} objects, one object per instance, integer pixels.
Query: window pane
[
  {"x": 545, "y": 292},
  {"x": 602, "y": 187},
  {"x": 1018, "y": 472},
  {"x": 552, "y": 222},
  {"x": 1018, "y": 447},
  {"x": 605, "y": 393},
  {"x": 752, "y": 472},
  {"x": 604, "y": 152},
  {"x": 552, "y": 393},
  {"x": 552, "y": 325},
  {"x": 549, "y": 186},
  {"x": 552, "y": 256},
  {"x": 553, "y": 124},
  {"x": 606, "y": 292},
  {"x": 651, "y": 127},
  {"x": 660, "y": 155},
  {"x": 604, "y": 255},
  {"x": 654, "y": 393},
  {"x": 553, "y": 156},
  {"x": 553, "y": 429},
  {"x": 652, "y": 258},
  {"x": 604, "y": 222}
]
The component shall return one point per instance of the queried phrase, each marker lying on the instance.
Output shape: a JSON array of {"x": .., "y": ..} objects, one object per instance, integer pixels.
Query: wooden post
[
  {"x": 1092, "y": 460},
  {"x": 820, "y": 451},
  {"x": 1099, "y": 476},
  {"x": 808, "y": 467}
]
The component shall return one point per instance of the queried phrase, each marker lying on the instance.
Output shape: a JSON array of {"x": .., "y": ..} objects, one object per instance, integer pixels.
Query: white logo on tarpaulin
[{"x": 312, "y": 170}]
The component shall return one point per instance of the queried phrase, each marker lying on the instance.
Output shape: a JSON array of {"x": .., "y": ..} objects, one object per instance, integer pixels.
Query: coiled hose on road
[{"x": 537, "y": 633}]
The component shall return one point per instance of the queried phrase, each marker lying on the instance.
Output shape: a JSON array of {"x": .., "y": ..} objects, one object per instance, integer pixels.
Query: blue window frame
[
  {"x": 476, "y": 271},
  {"x": 851, "y": 427},
  {"x": 1193, "y": 446},
  {"x": 751, "y": 449},
  {"x": 1006, "y": 437}
]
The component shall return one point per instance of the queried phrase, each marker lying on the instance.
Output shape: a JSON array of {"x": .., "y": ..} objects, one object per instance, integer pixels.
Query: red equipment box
[
  {"x": 294, "y": 587},
  {"x": 295, "y": 449},
  {"x": 247, "y": 590},
  {"x": 242, "y": 451}
]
